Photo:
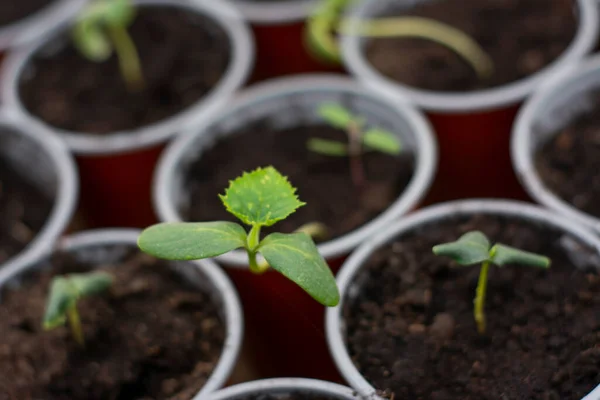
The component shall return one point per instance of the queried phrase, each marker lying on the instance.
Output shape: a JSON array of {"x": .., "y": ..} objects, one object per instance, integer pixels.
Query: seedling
[
  {"x": 259, "y": 199},
  {"x": 326, "y": 22},
  {"x": 102, "y": 29},
  {"x": 65, "y": 292},
  {"x": 359, "y": 139},
  {"x": 474, "y": 248}
]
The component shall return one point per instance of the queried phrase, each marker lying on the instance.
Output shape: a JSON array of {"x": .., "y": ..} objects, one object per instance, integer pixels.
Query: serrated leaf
[
  {"x": 261, "y": 197},
  {"x": 91, "y": 283},
  {"x": 336, "y": 115},
  {"x": 327, "y": 147},
  {"x": 502, "y": 255},
  {"x": 191, "y": 240},
  {"x": 382, "y": 140},
  {"x": 470, "y": 248},
  {"x": 62, "y": 296},
  {"x": 297, "y": 258}
]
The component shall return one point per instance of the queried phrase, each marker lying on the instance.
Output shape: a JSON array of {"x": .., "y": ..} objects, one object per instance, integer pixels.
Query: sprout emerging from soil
[
  {"x": 65, "y": 292},
  {"x": 259, "y": 199},
  {"x": 101, "y": 29},
  {"x": 474, "y": 248},
  {"x": 359, "y": 139},
  {"x": 326, "y": 22}
]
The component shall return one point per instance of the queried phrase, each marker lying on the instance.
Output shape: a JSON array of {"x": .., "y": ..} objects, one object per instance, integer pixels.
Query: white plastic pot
[
  {"x": 100, "y": 247},
  {"x": 275, "y": 12},
  {"x": 44, "y": 160},
  {"x": 562, "y": 98},
  {"x": 335, "y": 324}
]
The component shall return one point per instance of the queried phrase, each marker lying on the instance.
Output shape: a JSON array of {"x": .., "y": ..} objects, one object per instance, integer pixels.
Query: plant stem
[
  {"x": 75, "y": 324},
  {"x": 357, "y": 170},
  {"x": 480, "y": 297},
  {"x": 129, "y": 61},
  {"x": 252, "y": 243}
]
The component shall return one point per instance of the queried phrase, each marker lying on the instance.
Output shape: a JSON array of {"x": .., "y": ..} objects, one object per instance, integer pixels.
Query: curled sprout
[
  {"x": 474, "y": 248},
  {"x": 102, "y": 29},
  {"x": 259, "y": 199},
  {"x": 359, "y": 139},
  {"x": 65, "y": 292}
]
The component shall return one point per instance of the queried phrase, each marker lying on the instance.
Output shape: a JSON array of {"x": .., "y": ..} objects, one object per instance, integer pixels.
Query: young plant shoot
[
  {"x": 326, "y": 22},
  {"x": 359, "y": 140},
  {"x": 102, "y": 29},
  {"x": 474, "y": 248},
  {"x": 65, "y": 292},
  {"x": 259, "y": 199}
]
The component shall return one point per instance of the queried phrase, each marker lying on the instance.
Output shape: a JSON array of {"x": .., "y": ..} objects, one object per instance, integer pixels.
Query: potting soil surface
[
  {"x": 150, "y": 337},
  {"x": 569, "y": 163},
  {"x": 23, "y": 211},
  {"x": 324, "y": 183},
  {"x": 13, "y": 11},
  {"x": 411, "y": 331},
  {"x": 183, "y": 57},
  {"x": 520, "y": 36}
]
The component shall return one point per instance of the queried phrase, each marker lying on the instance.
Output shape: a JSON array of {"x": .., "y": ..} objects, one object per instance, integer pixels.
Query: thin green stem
[
  {"x": 479, "y": 301},
  {"x": 253, "y": 239},
  {"x": 252, "y": 243},
  {"x": 75, "y": 324},
  {"x": 129, "y": 61},
  {"x": 357, "y": 169}
]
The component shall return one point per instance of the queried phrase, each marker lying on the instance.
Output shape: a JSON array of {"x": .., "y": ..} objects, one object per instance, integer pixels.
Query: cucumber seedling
[
  {"x": 101, "y": 29},
  {"x": 474, "y": 248},
  {"x": 65, "y": 292},
  {"x": 360, "y": 139},
  {"x": 259, "y": 199}
]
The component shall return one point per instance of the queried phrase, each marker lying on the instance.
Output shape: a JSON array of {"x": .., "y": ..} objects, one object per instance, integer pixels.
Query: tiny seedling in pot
[
  {"x": 474, "y": 248},
  {"x": 360, "y": 139},
  {"x": 102, "y": 29},
  {"x": 259, "y": 199},
  {"x": 65, "y": 292}
]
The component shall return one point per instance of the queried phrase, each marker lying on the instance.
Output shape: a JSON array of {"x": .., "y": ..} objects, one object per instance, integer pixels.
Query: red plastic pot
[
  {"x": 116, "y": 169},
  {"x": 279, "y": 33},
  {"x": 281, "y": 319},
  {"x": 473, "y": 129}
]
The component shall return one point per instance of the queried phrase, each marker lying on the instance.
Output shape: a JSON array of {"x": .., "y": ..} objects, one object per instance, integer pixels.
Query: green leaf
[
  {"x": 191, "y": 241},
  {"x": 91, "y": 283},
  {"x": 62, "y": 296},
  {"x": 261, "y": 197},
  {"x": 336, "y": 115},
  {"x": 502, "y": 255},
  {"x": 327, "y": 147},
  {"x": 383, "y": 141},
  {"x": 470, "y": 248},
  {"x": 120, "y": 13},
  {"x": 91, "y": 41},
  {"x": 297, "y": 258}
]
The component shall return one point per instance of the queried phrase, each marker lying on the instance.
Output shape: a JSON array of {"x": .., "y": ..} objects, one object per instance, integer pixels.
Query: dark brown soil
[
  {"x": 12, "y": 11},
  {"x": 411, "y": 329},
  {"x": 569, "y": 163},
  {"x": 152, "y": 337},
  {"x": 183, "y": 57},
  {"x": 324, "y": 183},
  {"x": 23, "y": 211},
  {"x": 521, "y": 37}
]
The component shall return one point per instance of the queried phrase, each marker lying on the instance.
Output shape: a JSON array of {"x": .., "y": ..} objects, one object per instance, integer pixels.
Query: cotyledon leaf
[
  {"x": 502, "y": 255},
  {"x": 192, "y": 240},
  {"x": 297, "y": 258},
  {"x": 62, "y": 296},
  {"x": 470, "y": 248},
  {"x": 327, "y": 147},
  {"x": 382, "y": 140}
]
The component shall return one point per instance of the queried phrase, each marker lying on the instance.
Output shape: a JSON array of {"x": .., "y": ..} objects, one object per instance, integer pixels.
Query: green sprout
[
  {"x": 102, "y": 28},
  {"x": 359, "y": 139},
  {"x": 326, "y": 22},
  {"x": 259, "y": 199},
  {"x": 474, "y": 248},
  {"x": 65, "y": 292}
]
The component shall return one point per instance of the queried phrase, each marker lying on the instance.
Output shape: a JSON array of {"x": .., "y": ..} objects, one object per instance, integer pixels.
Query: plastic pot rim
[
  {"x": 333, "y": 317},
  {"x": 425, "y": 166},
  {"x": 81, "y": 143},
  {"x": 482, "y": 100},
  {"x": 275, "y": 13},
  {"x": 222, "y": 286},
  {"x": 274, "y": 385},
  {"x": 67, "y": 191},
  {"x": 523, "y": 151}
]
